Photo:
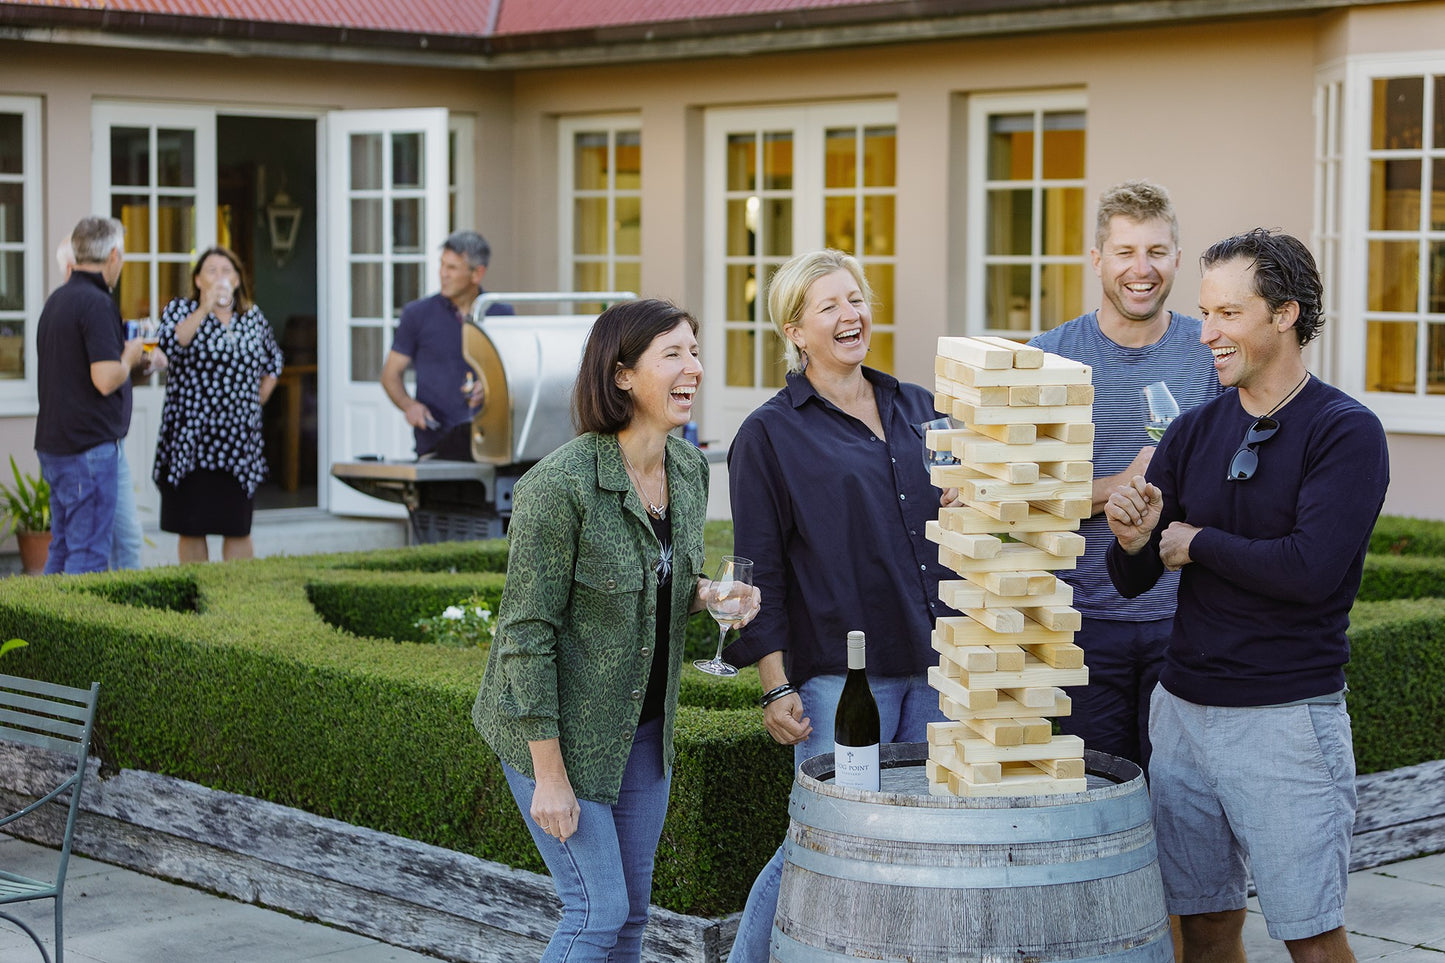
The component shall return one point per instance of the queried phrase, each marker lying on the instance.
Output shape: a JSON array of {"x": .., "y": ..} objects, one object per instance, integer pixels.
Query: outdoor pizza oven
[{"x": 527, "y": 365}]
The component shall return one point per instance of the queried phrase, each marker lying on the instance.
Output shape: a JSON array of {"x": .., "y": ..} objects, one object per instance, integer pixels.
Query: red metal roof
[
  {"x": 546, "y": 16},
  {"x": 458, "y": 17}
]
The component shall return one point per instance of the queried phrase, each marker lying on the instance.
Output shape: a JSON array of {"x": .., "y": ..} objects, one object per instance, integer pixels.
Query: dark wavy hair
[
  {"x": 618, "y": 338},
  {"x": 1284, "y": 271},
  {"x": 241, "y": 297}
]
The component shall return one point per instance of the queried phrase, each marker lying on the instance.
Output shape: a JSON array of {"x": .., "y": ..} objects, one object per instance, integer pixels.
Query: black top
[
  {"x": 833, "y": 518},
  {"x": 79, "y": 326},
  {"x": 1265, "y": 601},
  {"x": 652, "y": 701}
]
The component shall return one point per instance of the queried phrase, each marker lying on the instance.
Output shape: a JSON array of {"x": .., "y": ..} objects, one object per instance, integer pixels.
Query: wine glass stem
[{"x": 722, "y": 634}]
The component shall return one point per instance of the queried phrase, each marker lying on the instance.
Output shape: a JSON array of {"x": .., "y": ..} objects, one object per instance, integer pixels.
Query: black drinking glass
[{"x": 1246, "y": 460}]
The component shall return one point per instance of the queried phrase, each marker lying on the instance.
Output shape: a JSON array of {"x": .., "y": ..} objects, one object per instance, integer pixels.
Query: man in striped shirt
[{"x": 1132, "y": 340}]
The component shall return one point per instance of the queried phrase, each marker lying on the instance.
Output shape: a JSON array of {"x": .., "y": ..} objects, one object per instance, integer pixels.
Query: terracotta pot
[{"x": 34, "y": 550}]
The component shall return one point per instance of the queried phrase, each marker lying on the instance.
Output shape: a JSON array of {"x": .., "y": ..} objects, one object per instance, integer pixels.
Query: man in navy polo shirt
[
  {"x": 429, "y": 338},
  {"x": 83, "y": 377}
]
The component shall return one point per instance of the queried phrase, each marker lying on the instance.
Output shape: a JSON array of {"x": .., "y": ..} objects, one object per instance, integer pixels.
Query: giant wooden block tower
[{"x": 1025, "y": 475}]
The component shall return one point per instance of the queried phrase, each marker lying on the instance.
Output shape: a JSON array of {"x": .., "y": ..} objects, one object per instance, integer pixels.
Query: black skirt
[{"x": 206, "y": 502}]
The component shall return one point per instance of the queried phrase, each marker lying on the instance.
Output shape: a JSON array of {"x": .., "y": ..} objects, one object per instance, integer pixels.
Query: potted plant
[{"x": 25, "y": 510}]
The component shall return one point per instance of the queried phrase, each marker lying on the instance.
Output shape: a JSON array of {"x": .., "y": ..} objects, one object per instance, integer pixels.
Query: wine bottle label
[{"x": 856, "y": 766}]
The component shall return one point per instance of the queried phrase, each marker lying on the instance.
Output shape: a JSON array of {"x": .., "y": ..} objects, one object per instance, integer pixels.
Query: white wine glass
[
  {"x": 729, "y": 597},
  {"x": 1163, "y": 409},
  {"x": 943, "y": 457}
]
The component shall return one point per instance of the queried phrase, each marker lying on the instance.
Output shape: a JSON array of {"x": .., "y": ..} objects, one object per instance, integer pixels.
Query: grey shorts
[{"x": 1268, "y": 789}]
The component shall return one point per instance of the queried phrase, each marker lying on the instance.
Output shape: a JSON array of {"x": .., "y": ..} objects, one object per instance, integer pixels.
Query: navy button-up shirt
[{"x": 833, "y": 518}]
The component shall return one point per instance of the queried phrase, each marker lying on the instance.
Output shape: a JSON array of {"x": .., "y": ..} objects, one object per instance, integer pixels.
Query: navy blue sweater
[{"x": 1264, "y": 603}]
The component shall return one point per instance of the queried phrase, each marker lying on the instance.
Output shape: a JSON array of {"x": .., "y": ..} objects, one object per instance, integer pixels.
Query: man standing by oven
[{"x": 429, "y": 338}]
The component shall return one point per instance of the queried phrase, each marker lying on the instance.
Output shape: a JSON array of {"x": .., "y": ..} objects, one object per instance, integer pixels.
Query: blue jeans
[
  {"x": 906, "y": 705},
  {"x": 1111, "y": 713},
  {"x": 603, "y": 872},
  {"x": 83, "y": 491},
  {"x": 126, "y": 537}
]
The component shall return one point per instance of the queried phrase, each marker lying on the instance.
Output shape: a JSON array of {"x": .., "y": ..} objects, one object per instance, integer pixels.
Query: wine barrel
[{"x": 902, "y": 875}]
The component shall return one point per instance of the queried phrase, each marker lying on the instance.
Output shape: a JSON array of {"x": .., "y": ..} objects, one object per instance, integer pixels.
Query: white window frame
[
  {"x": 980, "y": 108},
  {"x": 567, "y": 130},
  {"x": 1416, "y": 414},
  {"x": 461, "y": 179},
  {"x": 18, "y": 396}
]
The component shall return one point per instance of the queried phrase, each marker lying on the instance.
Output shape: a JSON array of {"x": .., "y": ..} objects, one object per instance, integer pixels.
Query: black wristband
[{"x": 773, "y": 695}]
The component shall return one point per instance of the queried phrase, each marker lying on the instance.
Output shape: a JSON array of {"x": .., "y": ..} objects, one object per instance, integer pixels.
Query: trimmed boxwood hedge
[{"x": 297, "y": 680}]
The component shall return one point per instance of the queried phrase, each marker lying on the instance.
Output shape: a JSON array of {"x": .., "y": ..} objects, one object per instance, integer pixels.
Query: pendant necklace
[{"x": 657, "y": 511}]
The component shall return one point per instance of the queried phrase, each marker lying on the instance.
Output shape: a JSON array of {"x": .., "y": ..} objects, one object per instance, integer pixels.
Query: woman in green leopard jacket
[{"x": 606, "y": 563}]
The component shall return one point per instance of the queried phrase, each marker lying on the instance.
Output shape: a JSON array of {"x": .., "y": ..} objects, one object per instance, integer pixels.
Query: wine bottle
[{"x": 855, "y": 725}]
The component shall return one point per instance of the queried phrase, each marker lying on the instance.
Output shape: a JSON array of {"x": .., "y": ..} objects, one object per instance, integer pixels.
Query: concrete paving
[{"x": 1394, "y": 912}]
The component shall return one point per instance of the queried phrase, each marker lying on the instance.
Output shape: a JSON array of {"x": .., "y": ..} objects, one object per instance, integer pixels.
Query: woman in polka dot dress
[{"x": 224, "y": 362}]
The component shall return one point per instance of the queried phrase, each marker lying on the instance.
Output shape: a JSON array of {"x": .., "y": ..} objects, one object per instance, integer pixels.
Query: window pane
[
  {"x": 173, "y": 280},
  {"x": 1006, "y": 297},
  {"x": 133, "y": 290},
  {"x": 589, "y": 276},
  {"x": 365, "y": 162},
  {"x": 406, "y": 225},
  {"x": 1064, "y": 151},
  {"x": 880, "y": 279},
  {"x": 366, "y": 353},
  {"x": 12, "y": 350},
  {"x": 1063, "y": 225},
  {"x": 130, "y": 159},
  {"x": 628, "y": 160},
  {"x": 1061, "y": 294},
  {"x": 1390, "y": 364},
  {"x": 878, "y": 226},
  {"x": 1395, "y": 195},
  {"x": 1436, "y": 303},
  {"x": 839, "y": 223},
  {"x": 12, "y": 280},
  {"x": 366, "y": 222},
  {"x": 629, "y": 226},
  {"x": 742, "y": 226},
  {"x": 406, "y": 160},
  {"x": 742, "y": 162},
  {"x": 12, "y": 144},
  {"x": 840, "y": 158},
  {"x": 1394, "y": 280},
  {"x": 589, "y": 225},
  {"x": 589, "y": 161},
  {"x": 134, "y": 214},
  {"x": 1438, "y": 141},
  {"x": 1010, "y": 147},
  {"x": 777, "y": 227},
  {"x": 175, "y": 226},
  {"x": 1399, "y": 104},
  {"x": 175, "y": 158},
  {"x": 742, "y": 293},
  {"x": 740, "y": 344},
  {"x": 366, "y": 290},
  {"x": 1010, "y": 220},
  {"x": 1437, "y": 204},
  {"x": 778, "y": 161},
  {"x": 628, "y": 276},
  {"x": 405, "y": 285},
  {"x": 880, "y": 157},
  {"x": 1435, "y": 359},
  {"x": 880, "y": 351},
  {"x": 775, "y": 363},
  {"x": 12, "y": 213}
]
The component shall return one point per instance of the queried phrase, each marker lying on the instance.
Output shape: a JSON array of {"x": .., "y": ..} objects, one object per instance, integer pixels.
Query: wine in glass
[
  {"x": 729, "y": 598},
  {"x": 1163, "y": 409}
]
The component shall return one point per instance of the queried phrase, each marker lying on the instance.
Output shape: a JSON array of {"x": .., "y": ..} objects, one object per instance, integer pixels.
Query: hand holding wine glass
[
  {"x": 1163, "y": 409},
  {"x": 731, "y": 601}
]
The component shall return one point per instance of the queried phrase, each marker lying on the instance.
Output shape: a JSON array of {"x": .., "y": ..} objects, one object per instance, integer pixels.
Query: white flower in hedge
[{"x": 455, "y": 612}]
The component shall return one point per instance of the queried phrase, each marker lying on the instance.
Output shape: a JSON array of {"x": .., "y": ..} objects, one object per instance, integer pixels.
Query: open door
[{"x": 387, "y": 199}]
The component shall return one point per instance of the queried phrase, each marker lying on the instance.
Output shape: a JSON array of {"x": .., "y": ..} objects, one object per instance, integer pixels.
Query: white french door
[
  {"x": 154, "y": 168},
  {"x": 780, "y": 181},
  {"x": 387, "y": 195}
]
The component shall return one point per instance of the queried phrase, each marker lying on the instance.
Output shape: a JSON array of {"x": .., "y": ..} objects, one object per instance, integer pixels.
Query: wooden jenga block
[
  {"x": 1060, "y": 655},
  {"x": 996, "y": 490},
  {"x": 1006, "y": 434},
  {"x": 1055, "y": 370},
  {"x": 1024, "y": 355},
  {"x": 1036, "y": 698},
  {"x": 976, "y": 353},
  {"x": 1079, "y": 507},
  {"x": 1061, "y": 768},
  {"x": 968, "y": 520},
  {"x": 1008, "y": 657},
  {"x": 993, "y": 451},
  {"x": 1079, "y": 394},
  {"x": 948, "y": 388},
  {"x": 1004, "y": 707},
  {"x": 1035, "y": 674},
  {"x": 1011, "y": 557},
  {"x": 1055, "y": 543},
  {"x": 965, "y": 700},
  {"x": 962, "y": 594},
  {"x": 1075, "y": 433},
  {"x": 969, "y": 546},
  {"x": 1001, "y": 511},
  {"x": 1000, "y": 620},
  {"x": 1000, "y": 732},
  {"x": 1037, "y": 731},
  {"x": 1007, "y": 415},
  {"x": 1068, "y": 470},
  {"x": 1013, "y": 472},
  {"x": 1033, "y": 395},
  {"x": 1060, "y": 618},
  {"x": 962, "y": 630},
  {"x": 973, "y": 748}
]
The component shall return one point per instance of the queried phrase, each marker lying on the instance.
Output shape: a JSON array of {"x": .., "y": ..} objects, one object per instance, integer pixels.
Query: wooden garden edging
[{"x": 455, "y": 906}]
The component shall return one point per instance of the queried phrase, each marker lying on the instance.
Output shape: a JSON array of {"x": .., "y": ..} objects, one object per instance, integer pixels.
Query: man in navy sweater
[{"x": 1263, "y": 500}]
